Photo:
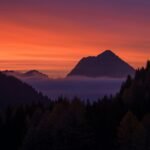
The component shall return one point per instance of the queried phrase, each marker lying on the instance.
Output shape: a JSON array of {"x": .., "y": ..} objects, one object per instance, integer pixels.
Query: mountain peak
[
  {"x": 107, "y": 53},
  {"x": 106, "y": 64},
  {"x": 35, "y": 73},
  {"x": 32, "y": 72}
]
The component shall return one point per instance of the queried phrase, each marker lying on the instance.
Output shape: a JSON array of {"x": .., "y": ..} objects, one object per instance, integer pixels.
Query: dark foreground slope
[
  {"x": 13, "y": 91},
  {"x": 106, "y": 64},
  {"x": 121, "y": 122}
]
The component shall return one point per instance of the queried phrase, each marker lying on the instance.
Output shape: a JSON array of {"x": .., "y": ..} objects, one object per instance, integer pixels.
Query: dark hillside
[{"x": 13, "y": 91}]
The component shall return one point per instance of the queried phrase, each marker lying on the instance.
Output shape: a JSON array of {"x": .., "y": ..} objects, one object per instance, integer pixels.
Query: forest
[{"x": 120, "y": 122}]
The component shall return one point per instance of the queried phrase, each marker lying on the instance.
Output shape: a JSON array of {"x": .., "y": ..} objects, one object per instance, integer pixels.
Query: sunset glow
[{"x": 53, "y": 36}]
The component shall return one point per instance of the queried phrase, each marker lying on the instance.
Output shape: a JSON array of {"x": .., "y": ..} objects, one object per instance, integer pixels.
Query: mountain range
[
  {"x": 106, "y": 64},
  {"x": 32, "y": 74}
]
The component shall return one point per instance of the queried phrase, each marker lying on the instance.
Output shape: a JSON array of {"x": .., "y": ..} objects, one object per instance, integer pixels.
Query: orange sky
[{"x": 54, "y": 38}]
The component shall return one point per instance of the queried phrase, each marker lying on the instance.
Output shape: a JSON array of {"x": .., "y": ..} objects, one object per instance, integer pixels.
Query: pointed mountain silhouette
[{"x": 107, "y": 64}]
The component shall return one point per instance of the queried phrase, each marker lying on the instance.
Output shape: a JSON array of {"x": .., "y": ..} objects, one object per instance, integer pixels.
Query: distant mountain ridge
[
  {"x": 106, "y": 64},
  {"x": 33, "y": 74}
]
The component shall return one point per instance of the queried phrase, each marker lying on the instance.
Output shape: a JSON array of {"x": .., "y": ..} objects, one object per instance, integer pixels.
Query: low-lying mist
[{"x": 85, "y": 88}]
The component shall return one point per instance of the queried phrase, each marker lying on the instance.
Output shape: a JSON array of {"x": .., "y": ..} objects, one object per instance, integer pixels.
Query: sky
[{"x": 53, "y": 35}]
